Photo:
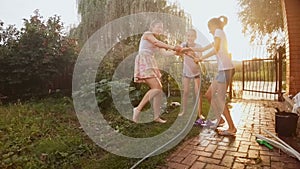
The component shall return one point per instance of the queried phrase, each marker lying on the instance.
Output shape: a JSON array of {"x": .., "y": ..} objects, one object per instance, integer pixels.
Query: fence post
[
  {"x": 279, "y": 69},
  {"x": 243, "y": 76}
]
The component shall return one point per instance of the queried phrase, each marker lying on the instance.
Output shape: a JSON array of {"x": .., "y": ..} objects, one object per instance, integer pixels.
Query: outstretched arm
[
  {"x": 202, "y": 49},
  {"x": 217, "y": 42},
  {"x": 158, "y": 43},
  {"x": 167, "y": 53}
]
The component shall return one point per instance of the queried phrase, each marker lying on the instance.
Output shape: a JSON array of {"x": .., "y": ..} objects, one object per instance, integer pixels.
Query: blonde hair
[
  {"x": 154, "y": 22},
  {"x": 192, "y": 30},
  {"x": 219, "y": 22}
]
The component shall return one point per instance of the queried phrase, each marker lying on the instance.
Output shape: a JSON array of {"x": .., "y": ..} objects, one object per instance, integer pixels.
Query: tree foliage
[
  {"x": 96, "y": 13},
  {"x": 32, "y": 57},
  {"x": 261, "y": 18}
]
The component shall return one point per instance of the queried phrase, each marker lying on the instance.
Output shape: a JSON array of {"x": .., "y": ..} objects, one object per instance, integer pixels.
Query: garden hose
[{"x": 170, "y": 141}]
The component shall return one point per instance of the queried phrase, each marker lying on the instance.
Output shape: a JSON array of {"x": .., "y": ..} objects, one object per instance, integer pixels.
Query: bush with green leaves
[{"x": 32, "y": 57}]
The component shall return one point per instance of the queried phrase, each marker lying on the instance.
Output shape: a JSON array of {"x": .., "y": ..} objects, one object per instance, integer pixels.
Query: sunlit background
[{"x": 200, "y": 11}]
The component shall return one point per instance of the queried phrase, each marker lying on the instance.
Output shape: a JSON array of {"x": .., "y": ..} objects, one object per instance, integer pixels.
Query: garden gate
[{"x": 263, "y": 76}]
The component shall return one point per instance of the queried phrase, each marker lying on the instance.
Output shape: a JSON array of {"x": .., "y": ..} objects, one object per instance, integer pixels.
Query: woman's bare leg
[
  {"x": 214, "y": 100},
  {"x": 226, "y": 112},
  {"x": 154, "y": 93},
  {"x": 155, "y": 88},
  {"x": 186, "y": 90},
  {"x": 197, "y": 85}
]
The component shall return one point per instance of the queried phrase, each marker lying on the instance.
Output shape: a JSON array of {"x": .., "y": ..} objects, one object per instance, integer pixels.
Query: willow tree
[
  {"x": 91, "y": 14},
  {"x": 261, "y": 19},
  {"x": 96, "y": 13}
]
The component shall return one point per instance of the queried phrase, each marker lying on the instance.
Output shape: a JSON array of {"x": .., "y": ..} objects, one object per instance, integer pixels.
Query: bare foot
[
  {"x": 135, "y": 115},
  {"x": 229, "y": 132},
  {"x": 181, "y": 114},
  {"x": 234, "y": 130},
  {"x": 159, "y": 120},
  {"x": 221, "y": 122},
  {"x": 201, "y": 116}
]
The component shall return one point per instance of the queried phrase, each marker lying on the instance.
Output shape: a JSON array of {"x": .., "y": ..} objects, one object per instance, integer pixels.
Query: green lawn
[{"x": 47, "y": 134}]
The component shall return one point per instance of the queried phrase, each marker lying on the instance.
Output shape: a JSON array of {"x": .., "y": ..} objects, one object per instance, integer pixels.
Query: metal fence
[{"x": 263, "y": 76}]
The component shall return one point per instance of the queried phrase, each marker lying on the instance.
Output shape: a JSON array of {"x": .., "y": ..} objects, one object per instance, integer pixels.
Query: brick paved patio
[{"x": 243, "y": 151}]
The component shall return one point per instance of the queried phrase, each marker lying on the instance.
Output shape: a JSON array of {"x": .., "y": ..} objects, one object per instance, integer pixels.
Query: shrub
[{"x": 32, "y": 57}]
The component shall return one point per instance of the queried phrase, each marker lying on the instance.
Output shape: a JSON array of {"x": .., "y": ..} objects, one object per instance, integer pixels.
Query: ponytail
[
  {"x": 219, "y": 22},
  {"x": 223, "y": 21}
]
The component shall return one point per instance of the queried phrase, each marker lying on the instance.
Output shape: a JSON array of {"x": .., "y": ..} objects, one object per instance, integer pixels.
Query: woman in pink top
[{"x": 146, "y": 69}]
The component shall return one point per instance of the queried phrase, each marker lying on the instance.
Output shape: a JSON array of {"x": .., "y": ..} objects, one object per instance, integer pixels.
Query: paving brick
[
  {"x": 184, "y": 144},
  {"x": 218, "y": 154},
  {"x": 227, "y": 148},
  {"x": 204, "y": 143},
  {"x": 291, "y": 166},
  {"x": 253, "y": 153},
  {"x": 230, "y": 139},
  {"x": 189, "y": 147},
  {"x": 242, "y": 139},
  {"x": 202, "y": 153},
  {"x": 243, "y": 148},
  {"x": 194, "y": 142},
  {"x": 176, "y": 159},
  {"x": 255, "y": 147},
  {"x": 211, "y": 148},
  {"x": 255, "y": 167},
  {"x": 227, "y": 161},
  {"x": 247, "y": 135},
  {"x": 223, "y": 143},
  {"x": 209, "y": 160},
  {"x": 199, "y": 148},
  {"x": 277, "y": 165},
  {"x": 174, "y": 165},
  {"x": 213, "y": 166},
  {"x": 198, "y": 165},
  {"x": 235, "y": 143},
  {"x": 266, "y": 152},
  {"x": 215, "y": 139},
  {"x": 184, "y": 153},
  {"x": 236, "y": 154},
  {"x": 265, "y": 160},
  {"x": 190, "y": 159},
  {"x": 237, "y": 165},
  {"x": 247, "y": 143},
  {"x": 290, "y": 160},
  {"x": 248, "y": 161},
  {"x": 178, "y": 150},
  {"x": 213, "y": 142},
  {"x": 276, "y": 158}
]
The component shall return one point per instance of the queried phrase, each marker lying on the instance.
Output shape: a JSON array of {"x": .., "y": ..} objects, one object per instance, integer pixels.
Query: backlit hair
[
  {"x": 219, "y": 22},
  {"x": 192, "y": 30},
  {"x": 154, "y": 22}
]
